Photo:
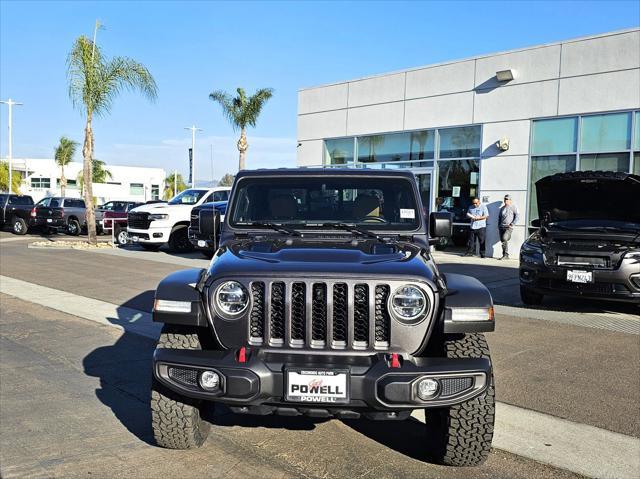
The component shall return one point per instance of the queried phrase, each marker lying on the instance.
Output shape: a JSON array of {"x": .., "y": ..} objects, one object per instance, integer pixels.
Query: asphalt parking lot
[{"x": 75, "y": 392}]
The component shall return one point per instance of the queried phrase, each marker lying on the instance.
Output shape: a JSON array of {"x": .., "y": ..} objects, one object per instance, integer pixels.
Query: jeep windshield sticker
[{"x": 407, "y": 213}]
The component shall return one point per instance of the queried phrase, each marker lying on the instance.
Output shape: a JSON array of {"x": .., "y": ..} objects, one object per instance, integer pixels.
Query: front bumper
[
  {"x": 200, "y": 241},
  {"x": 376, "y": 389},
  {"x": 158, "y": 235},
  {"x": 620, "y": 284}
]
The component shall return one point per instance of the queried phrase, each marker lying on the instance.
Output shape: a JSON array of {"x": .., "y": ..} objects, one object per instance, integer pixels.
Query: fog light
[
  {"x": 427, "y": 388},
  {"x": 209, "y": 380}
]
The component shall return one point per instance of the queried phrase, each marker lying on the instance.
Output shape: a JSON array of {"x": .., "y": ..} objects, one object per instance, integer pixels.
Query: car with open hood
[
  {"x": 587, "y": 241},
  {"x": 323, "y": 299}
]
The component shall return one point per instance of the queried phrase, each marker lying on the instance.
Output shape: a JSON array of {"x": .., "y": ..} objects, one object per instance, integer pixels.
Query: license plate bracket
[
  {"x": 317, "y": 386},
  {"x": 579, "y": 276}
]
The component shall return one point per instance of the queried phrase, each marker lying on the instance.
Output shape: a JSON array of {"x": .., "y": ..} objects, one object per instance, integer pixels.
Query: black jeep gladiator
[
  {"x": 15, "y": 211},
  {"x": 323, "y": 299}
]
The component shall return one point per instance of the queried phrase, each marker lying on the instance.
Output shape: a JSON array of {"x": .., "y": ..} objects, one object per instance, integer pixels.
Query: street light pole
[
  {"x": 10, "y": 104},
  {"x": 193, "y": 129}
]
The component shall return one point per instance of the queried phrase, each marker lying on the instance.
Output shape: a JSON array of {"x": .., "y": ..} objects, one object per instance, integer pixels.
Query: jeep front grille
[
  {"x": 322, "y": 315},
  {"x": 194, "y": 221}
]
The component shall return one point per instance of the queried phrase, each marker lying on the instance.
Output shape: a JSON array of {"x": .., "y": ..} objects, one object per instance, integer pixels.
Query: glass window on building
[
  {"x": 40, "y": 182},
  {"x": 338, "y": 152},
  {"x": 136, "y": 189},
  {"x": 462, "y": 142},
  {"x": 410, "y": 149},
  {"x": 636, "y": 163},
  {"x": 155, "y": 192},
  {"x": 542, "y": 166},
  {"x": 605, "y": 133},
  {"x": 605, "y": 162},
  {"x": 457, "y": 186},
  {"x": 71, "y": 184},
  {"x": 556, "y": 136}
]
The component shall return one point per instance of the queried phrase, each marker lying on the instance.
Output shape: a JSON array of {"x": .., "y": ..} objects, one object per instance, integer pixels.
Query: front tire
[
  {"x": 121, "y": 236},
  {"x": 176, "y": 421},
  {"x": 179, "y": 241},
  {"x": 19, "y": 226},
  {"x": 530, "y": 298},
  {"x": 461, "y": 435}
]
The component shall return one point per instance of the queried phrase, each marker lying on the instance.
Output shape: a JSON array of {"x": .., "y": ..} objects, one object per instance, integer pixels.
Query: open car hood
[{"x": 589, "y": 195}]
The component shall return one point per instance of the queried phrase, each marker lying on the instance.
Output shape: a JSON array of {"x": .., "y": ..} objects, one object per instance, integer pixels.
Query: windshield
[
  {"x": 188, "y": 197},
  {"x": 378, "y": 203},
  {"x": 114, "y": 206}
]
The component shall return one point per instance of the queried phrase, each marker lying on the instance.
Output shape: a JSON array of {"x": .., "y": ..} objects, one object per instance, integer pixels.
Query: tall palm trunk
[
  {"x": 242, "y": 148},
  {"x": 87, "y": 152},
  {"x": 63, "y": 181}
]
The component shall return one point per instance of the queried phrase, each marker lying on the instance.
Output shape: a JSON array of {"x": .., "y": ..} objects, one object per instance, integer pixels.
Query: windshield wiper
[
  {"x": 357, "y": 231},
  {"x": 277, "y": 227}
]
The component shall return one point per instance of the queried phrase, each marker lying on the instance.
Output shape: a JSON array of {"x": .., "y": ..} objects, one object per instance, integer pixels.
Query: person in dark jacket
[{"x": 507, "y": 218}]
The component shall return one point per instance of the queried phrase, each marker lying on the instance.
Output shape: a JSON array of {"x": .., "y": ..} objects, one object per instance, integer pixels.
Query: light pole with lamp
[{"x": 10, "y": 104}]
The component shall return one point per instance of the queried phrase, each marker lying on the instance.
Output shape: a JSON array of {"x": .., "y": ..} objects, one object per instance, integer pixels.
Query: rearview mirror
[{"x": 440, "y": 224}]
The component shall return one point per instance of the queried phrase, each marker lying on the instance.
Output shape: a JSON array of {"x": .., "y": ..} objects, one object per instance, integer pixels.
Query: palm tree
[
  {"x": 16, "y": 179},
  {"x": 63, "y": 155},
  {"x": 242, "y": 111},
  {"x": 227, "y": 180},
  {"x": 174, "y": 183},
  {"x": 94, "y": 82}
]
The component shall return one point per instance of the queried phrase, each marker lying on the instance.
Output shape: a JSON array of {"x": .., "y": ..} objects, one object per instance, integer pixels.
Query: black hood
[
  {"x": 589, "y": 195},
  {"x": 281, "y": 258}
]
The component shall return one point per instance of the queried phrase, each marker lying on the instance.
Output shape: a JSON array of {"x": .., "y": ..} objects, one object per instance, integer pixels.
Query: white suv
[{"x": 155, "y": 224}]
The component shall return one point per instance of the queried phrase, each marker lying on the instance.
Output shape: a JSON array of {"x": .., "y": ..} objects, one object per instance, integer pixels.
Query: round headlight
[
  {"x": 231, "y": 298},
  {"x": 408, "y": 303}
]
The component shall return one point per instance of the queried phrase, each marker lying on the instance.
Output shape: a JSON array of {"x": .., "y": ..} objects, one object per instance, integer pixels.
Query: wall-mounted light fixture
[
  {"x": 505, "y": 75},
  {"x": 502, "y": 144}
]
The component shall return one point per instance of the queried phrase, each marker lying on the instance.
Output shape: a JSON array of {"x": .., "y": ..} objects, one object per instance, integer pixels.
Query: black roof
[{"x": 326, "y": 172}]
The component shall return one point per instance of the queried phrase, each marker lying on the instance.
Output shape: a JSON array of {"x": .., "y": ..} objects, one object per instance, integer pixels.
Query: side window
[
  {"x": 210, "y": 198},
  {"x": 220, "y": 195},
  {"x": 43, "y": 202},
  {"x": 54, "y": 203},
  {"x": 20, "y": 200}
]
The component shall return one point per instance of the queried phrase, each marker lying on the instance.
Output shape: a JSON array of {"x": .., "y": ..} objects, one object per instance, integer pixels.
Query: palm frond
[
  {"x": 241, "y": 111},
  {"x": 64, "y": 151}
]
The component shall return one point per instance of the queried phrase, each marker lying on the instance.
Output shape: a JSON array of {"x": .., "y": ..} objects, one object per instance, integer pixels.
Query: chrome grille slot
[
  {"x": 277, "y": 314},
  {"x": 298, "y": 312},
  {"x": 256, "y": 322},
  {"x": 360, "y": 316},
  {"x": 382, "y": 319}
]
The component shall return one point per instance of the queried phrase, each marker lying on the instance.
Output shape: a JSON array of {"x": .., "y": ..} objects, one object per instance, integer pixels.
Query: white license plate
[
  {"x": 317, "y": 386},
  {"x": 576, "y": 276},
  {"x": 49, "y": 220},
  {"x": 202, "y": 243}
]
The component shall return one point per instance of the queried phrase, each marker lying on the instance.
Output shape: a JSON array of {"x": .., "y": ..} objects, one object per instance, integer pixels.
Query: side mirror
[
  {"x": 535, "y": 223},
  {"x": 440, "y": 224}
]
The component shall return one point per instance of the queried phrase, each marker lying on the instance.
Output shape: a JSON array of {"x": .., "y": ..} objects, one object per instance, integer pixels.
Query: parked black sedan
[{"x": 588, "y": 238}]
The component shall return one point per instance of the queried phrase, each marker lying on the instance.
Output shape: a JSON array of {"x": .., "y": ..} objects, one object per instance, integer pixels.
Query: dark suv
[
  {"x": 54, "y": 213},
  {"x": 15, "y": 211},
  {"x": 204, "y": 226},
  {"x": 588, "y": 238},
  {"x": 324, "y": 300}
]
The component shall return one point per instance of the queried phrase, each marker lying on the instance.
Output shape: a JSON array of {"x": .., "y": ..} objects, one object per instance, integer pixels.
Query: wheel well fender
[
  {"x": 181, "y": 286},
  {"x": 465, "y": 305}
]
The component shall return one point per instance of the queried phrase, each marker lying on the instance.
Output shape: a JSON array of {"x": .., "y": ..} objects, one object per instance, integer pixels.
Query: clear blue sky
[{"x": 193, "y": 48}]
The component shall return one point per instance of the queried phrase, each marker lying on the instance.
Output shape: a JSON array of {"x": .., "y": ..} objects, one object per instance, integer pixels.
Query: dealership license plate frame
[
  {"x": 319, "y": 373},
  {"x": 575, "y": 276}
]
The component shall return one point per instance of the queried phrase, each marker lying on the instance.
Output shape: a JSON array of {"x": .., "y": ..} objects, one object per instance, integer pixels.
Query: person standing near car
[
  {"x": 507, "y": 218},
  {"x": 478, "y": 215}
]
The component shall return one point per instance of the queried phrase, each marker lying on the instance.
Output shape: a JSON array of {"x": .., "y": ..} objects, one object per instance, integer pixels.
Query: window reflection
[
  {"x": 460, "y": 142},
  {"x": 339, "y": 152},
  {"x": 457, "y": 186}
]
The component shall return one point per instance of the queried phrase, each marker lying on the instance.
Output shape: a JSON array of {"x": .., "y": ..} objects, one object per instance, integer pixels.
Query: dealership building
[
  {"x": 41, "y": 177},
  {"x": 485, "y": 126}
]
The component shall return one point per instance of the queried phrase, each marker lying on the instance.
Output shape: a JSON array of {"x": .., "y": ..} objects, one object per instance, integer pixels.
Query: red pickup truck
[{"x": 113, "y": 215}]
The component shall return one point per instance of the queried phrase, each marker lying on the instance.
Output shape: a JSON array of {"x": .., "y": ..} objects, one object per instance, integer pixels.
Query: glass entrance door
[{"x": 423, "y": 179}]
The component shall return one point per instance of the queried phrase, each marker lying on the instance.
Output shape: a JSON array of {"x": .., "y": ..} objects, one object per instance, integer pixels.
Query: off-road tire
[
  {"x": 73, "y": 227},
  {"x": 179, "y": 240},
  {"x": 176, "y": 421},
  {"x": 19, "y": 226},
  {"x": 461, "y": 435},
  {"x": 530, "y": 298}
]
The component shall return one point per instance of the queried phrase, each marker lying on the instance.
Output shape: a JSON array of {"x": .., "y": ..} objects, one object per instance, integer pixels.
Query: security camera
[{"x": 502, "y": 144}]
